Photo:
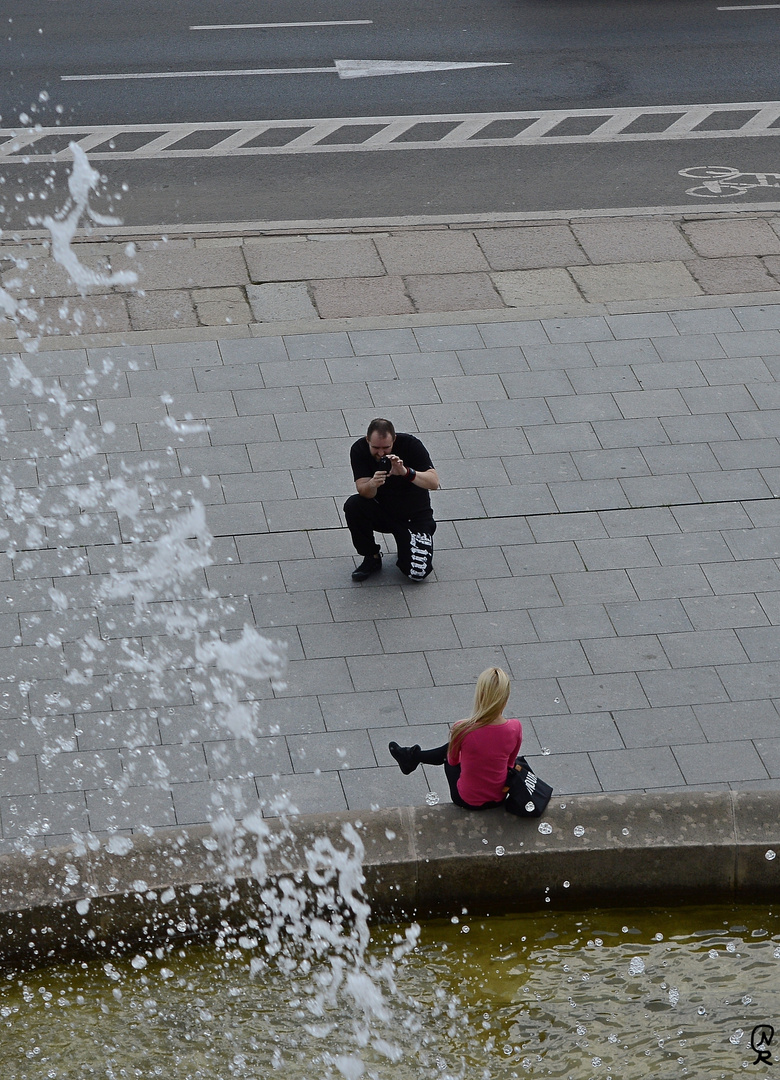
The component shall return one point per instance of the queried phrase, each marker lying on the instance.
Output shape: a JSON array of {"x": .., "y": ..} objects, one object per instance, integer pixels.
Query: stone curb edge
[
  {"x": 302, "y": 225},
  {"x": 419, "y": 862}
]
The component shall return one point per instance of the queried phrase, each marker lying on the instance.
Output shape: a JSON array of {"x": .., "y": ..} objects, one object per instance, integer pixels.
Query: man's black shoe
[
  {"x": 369, "y": 566},
  {"x": 408, "y": 757}
]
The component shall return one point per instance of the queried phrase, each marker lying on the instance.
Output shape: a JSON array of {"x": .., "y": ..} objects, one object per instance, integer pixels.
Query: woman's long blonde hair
[{"x": 490, "y": 698}]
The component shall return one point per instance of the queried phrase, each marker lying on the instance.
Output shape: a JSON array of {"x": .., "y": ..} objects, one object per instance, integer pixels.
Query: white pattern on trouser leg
[{"x": 421, "y": 547}]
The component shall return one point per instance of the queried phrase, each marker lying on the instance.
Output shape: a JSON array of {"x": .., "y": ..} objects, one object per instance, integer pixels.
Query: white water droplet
[
  {"x": 579, "y": 830},
  {"x": 674, "y": 995},
  {"x": 566, "y": 884},
  {"x": 351, "y": 1068},
  {"x": 119, "y": 845},
  {"x": 546, "y": 751},
  {"x": 432, "y": 798},
  {"x": 529, "y": 807},
  {"x": 637, "y": 966},
  {"x": 770, "y": 855},
  {"x": 138, "y": 962},
  {"x": 545, "y": 828},
  {"x": 83, "y": 906},
  {"x": 500, "y": 850}
]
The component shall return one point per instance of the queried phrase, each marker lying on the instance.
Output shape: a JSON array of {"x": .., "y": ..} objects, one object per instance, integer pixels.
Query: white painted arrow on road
[
  {"x": 361, "y": 69},
  {"x": 345, "y": 69}
]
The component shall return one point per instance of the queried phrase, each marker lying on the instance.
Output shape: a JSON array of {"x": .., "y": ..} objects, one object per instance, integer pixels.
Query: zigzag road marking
[{"x": 657, "y": 123}]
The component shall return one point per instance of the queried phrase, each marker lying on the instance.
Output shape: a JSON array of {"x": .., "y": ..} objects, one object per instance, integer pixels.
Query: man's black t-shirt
[{"x": 397, "y": 497}]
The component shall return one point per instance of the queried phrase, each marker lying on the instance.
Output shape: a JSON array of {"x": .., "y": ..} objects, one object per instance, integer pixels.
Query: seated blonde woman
[{"x": 481, "y": 749}]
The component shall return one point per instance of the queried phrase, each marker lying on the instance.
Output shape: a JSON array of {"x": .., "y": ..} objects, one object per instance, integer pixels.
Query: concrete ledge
[{"x": 419, "y": 862}]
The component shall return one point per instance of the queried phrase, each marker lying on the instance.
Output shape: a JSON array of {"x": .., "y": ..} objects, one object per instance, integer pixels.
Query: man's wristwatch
[{"x": 410, "y": 474}]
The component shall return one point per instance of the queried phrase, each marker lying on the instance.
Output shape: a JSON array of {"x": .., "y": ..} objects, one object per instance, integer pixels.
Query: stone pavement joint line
[
  {"x": 245, "y": 283},
  {"x": 509, "y": 521},
  {"x": 370, "y": 133}
]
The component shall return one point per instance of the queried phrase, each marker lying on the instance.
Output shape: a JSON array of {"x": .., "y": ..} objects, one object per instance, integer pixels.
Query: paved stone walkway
[
  {"x": 609, "y": 533},
  {"x": 216, "y": 278}
]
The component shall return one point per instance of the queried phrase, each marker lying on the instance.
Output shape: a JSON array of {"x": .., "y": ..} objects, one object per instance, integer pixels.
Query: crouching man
[{"x": 393, "y": 476}]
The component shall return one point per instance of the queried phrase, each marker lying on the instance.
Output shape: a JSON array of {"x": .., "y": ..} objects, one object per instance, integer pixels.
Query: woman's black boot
[{"x": 408, "y": 757}]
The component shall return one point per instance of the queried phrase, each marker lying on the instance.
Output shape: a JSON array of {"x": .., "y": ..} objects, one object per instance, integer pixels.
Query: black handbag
[{"x": 528, "y": 796}]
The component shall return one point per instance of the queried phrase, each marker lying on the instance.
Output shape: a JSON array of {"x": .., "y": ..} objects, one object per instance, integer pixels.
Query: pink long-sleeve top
[{"x": 484, "y": 757}]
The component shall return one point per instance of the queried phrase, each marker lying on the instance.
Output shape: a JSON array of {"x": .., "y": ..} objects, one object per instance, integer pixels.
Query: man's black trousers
[{"x": 413, "y": 536}]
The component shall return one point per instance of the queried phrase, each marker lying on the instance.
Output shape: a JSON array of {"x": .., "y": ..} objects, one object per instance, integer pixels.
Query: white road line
[
  {"x": 750, "y": 7},
  {"x": 274, "y": 25},
  {"x": 345, "y": 69},
  {"x": 363, "y": 134},
  {"x": 194, "y": 74}
]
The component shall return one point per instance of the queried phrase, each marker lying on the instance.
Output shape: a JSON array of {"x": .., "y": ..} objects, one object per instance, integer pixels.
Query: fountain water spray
[
  {"x": 62, "y": 226},
  {"x": 154, "y": 625}
]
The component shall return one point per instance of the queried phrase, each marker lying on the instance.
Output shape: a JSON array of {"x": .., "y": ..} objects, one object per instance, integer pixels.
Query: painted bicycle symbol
[{"x": 722, "y": 182}]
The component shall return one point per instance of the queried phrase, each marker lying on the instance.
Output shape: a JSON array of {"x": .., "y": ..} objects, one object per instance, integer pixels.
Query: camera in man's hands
[{"x": 385, "y": 463}]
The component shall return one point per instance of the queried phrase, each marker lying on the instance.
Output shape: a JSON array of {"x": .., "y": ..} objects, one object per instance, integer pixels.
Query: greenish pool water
[{"x": 625, "y": 994}]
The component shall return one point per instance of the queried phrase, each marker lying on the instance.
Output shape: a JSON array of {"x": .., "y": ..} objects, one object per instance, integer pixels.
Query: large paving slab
[{"x": 609, "y": 532}]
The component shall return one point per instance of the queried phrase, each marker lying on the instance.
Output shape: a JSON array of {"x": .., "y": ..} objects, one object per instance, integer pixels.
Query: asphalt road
[
  {"x": 561, "y": 54},
  {"x": 558, "y": 54},
  {"x": 307, "y": 187}
]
